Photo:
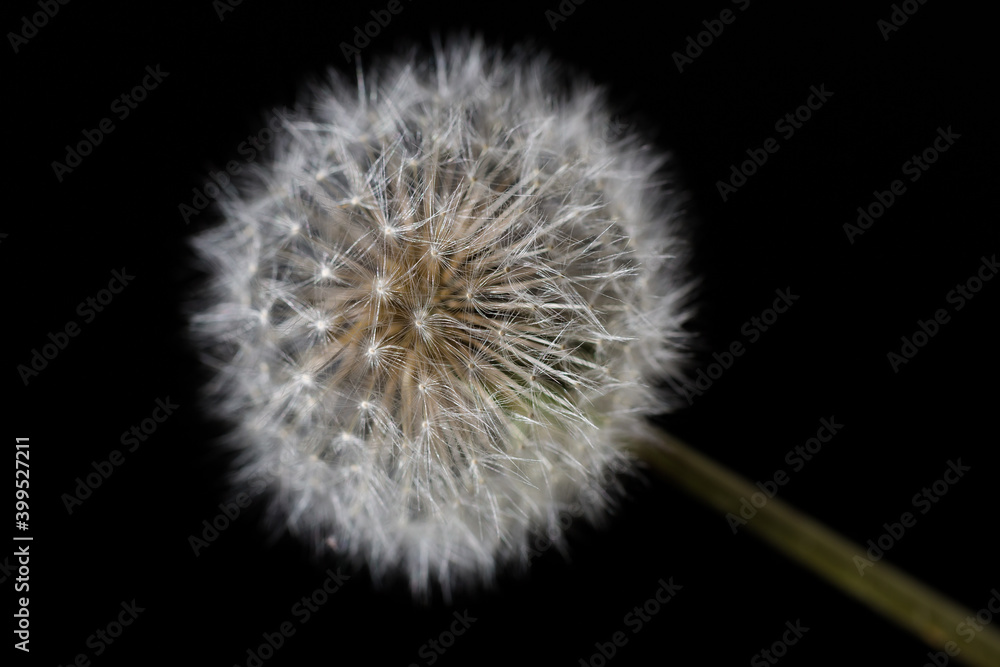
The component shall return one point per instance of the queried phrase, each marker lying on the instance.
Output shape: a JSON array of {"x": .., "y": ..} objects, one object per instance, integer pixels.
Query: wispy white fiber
[{"x": 440, "y": 308}]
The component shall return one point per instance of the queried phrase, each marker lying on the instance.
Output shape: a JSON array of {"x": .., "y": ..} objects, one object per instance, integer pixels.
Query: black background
[{"x": 826, "y": 357}]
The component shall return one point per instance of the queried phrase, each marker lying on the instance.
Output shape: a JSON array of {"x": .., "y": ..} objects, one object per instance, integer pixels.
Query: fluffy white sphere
[{"x": 441, "y": 308}]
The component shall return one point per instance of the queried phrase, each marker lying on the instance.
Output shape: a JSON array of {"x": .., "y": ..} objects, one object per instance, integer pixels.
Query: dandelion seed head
[{"x": 441, "y": 309}]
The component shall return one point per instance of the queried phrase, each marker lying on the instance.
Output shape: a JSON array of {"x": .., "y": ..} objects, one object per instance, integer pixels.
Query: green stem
[{"x": 899, "y": 597}]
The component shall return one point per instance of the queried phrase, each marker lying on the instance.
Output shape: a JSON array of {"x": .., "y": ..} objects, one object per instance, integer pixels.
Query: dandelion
[
  {"x": 439, "y": 316},
  {"x": 441, "y": 309}
]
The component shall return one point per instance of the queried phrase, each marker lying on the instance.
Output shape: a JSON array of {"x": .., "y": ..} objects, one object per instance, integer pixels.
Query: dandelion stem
[{"x": 899, "y": 597}]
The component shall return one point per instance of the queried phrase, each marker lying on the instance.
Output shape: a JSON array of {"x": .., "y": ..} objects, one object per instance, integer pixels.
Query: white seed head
[{"x": 441, "y": 308}]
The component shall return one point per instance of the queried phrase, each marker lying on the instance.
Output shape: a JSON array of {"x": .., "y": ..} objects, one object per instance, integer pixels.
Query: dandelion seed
[{"x": 504, "y": 298}]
